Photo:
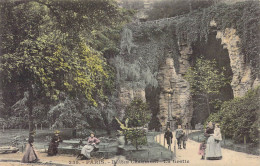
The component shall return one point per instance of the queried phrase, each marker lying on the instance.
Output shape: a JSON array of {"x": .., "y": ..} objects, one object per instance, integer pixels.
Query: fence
[{"x": 159, "y": 138}]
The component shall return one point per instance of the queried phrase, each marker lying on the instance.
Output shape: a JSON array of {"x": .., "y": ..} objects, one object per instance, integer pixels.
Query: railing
[{"x": 158, "y": 138}]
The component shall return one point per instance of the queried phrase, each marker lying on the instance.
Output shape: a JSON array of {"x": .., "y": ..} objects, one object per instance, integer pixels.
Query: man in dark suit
[{"x": 168, "y": 136}]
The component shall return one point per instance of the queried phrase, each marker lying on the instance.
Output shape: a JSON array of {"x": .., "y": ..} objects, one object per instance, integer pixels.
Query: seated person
[
  {"x": 91, "y": 145},
  {"x": 53, "y": 146}
]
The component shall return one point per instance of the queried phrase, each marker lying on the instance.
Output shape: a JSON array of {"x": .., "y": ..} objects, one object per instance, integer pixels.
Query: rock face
[
  {"x": 1, "y": 101},
  {"x": 126, "y": 95},
  {"x": 185, "y": 54},
  {"x": 177, "y": 105},
  {"x": 242, "y": 79},
  {"x": 147, "y": 60}
]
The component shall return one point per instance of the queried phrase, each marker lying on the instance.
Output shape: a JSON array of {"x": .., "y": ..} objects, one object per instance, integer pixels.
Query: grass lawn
[{"x": 152, "y": 152}]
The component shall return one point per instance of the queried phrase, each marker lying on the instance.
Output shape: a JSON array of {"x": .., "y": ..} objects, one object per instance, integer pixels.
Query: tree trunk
[
  {"x": 136, "y": 145},
  {"x": 30, "y": 109},
  {"x": 207, "y": 100}
]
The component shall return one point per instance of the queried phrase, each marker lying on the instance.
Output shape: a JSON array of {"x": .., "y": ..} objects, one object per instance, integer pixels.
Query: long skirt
[
  {"x": 53, "y": 149},
  {"x": 86, "y": 150},
  {"x": 30, "y": 155},
  {"x": 213, "y": 149}
]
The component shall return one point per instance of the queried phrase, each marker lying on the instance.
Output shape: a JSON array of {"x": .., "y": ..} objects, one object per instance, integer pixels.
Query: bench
[
  {"x": 8, "y": 149},
  {"x": 75, "y": 146}
]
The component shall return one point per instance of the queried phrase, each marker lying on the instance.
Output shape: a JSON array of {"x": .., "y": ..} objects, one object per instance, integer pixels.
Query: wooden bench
[
  {"x": 8, "y": 149},
  {"x": 75, "y": 146}
]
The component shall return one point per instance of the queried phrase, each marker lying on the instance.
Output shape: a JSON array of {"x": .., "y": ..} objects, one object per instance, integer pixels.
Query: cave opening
[
  {"x": 211, "y": 50},
  {"x": 152, "y": 95}
]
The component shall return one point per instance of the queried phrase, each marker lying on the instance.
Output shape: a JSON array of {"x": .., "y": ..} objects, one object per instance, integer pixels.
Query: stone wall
[
  {"x": 150, "y": 52},
  {"x": 181, "y": 107},
  {"x": 242, "y": 79},
  {"x": 1, "y": 100},
  {"x": 126, "y": 95}
]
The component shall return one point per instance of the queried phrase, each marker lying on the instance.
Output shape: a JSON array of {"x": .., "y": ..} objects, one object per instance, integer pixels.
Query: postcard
[{"x": 129, "y": 82}]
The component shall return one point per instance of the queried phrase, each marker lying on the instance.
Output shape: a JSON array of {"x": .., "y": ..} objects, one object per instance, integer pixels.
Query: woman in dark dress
[
  {"x": 30, "y": 156},
  {"x": 53, "y": 147}
]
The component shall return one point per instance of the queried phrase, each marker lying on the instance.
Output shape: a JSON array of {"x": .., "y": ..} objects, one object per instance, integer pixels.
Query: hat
[
  {"x": 57, "y": 132},
  {"x": 210, "y": 125}
]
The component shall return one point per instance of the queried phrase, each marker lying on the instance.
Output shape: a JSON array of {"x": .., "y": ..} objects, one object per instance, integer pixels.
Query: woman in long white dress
[{"x": 213, "y": 148}]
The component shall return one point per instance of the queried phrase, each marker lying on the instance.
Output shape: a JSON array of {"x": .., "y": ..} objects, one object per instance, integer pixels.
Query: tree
[
  {"x": 239, "y": 117},
  {"x": 136, "y": 136},
  {"x": 138, "y": 113},
  {"x": 44, "y": 56},
  {"x": 206, "y": 79}
]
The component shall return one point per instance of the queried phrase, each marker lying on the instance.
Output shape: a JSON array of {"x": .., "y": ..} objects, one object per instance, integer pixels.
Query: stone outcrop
[
  {"x": 149, "y": 55},
  {"x": 1, "y": 101},
  {"x": 178, "y": 105},
  {"x": 242, "y": 79},
  {"x": 185, "y": 53},
  {"x": 126, "y": 95}
]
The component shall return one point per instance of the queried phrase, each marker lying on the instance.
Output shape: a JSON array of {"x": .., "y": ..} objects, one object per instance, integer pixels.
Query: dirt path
[
  {"x": 188, "y": 157},
  {"x": 230, "y": 158}
]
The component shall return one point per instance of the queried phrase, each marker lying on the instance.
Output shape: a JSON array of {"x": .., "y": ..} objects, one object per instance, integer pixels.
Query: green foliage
[
  {"x": 49, "y": 47},
  {"x": 240, "y": 117},
  {"x": 51, "y": 54},
  {"x": 206, "y": 80},
  {"x": 171, "y": 8},
  {"x": 242, "y": 16},
  {"x": 127, "y": 40},
  {"x": 205, "y": 77},
  {"x": 135, "y": 135},
  {"x": 138, "y": 113}
]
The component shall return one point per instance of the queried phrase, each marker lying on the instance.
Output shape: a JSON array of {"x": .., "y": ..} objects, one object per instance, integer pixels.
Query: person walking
[
  {"x": 168, "y": 136},
  {"x": 179, "y": 135},
  {"x": 184, "y": 139},
  {"x": 30, "y": 155},
  {"x": 53, "y": 147},
  {"x": 213, "y": 150}
]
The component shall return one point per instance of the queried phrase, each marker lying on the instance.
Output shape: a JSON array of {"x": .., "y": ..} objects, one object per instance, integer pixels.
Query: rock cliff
[{"x": 162, "y": 52}]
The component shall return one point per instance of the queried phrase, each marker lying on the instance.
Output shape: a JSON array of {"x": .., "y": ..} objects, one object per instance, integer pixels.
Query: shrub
[
  {"x": 238, "y": 118},
  {"x": 138, "y": 113},
  {"x": 137, "y": 136}
]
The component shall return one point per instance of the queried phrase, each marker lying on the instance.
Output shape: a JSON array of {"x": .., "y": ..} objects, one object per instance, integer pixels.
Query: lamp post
[{"x": 170, "y": 104}]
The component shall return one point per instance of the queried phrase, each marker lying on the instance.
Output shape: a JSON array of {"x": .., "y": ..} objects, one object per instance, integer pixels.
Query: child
[{"x": 202, "y": 150}]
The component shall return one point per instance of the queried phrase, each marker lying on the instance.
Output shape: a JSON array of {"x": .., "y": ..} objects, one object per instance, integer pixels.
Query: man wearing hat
[
  {"x": 30, "y": 155},
  {"x": 53, "y": 147}
]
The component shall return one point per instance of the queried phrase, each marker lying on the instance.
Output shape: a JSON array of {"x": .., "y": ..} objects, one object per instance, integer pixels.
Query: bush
[
  {"x": 137, "y": 136},
  {"x": 238, "y": 118},
  {"x": 138, "y": 113}
]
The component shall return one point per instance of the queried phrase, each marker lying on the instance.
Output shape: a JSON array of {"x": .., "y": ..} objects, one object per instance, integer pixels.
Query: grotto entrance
[{"x": 211, "y": 50}]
